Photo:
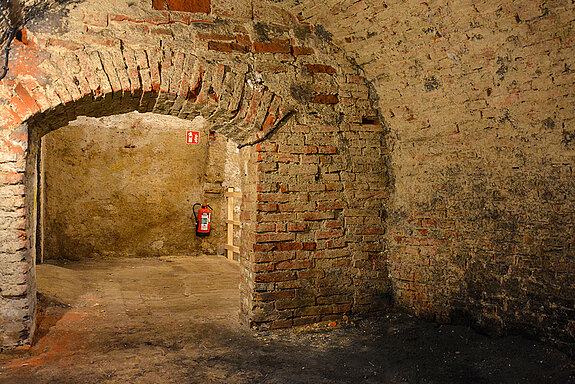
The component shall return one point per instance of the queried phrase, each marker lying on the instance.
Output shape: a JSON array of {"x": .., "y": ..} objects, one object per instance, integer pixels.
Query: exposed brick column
[
  {"x": 17, "y": 315},
  {"x": 318, "y": 249},
  {"x": 248, "y": 219}
]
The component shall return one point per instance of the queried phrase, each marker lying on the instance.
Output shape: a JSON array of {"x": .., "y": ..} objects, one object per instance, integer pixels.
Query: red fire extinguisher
[{"x": 203, "y": 219}]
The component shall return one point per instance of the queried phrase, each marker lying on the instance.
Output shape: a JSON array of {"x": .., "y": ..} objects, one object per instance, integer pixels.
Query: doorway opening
[
  {"x": 115, "y": 229},
  {"x": 124, "y": 185}
]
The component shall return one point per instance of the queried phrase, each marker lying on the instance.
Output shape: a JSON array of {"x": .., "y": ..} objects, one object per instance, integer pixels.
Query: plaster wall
[{"x": 125, "y": 185}]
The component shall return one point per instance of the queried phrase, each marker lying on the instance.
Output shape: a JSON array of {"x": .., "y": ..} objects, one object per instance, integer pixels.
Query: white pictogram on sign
[{"x": 193, "y": 137}]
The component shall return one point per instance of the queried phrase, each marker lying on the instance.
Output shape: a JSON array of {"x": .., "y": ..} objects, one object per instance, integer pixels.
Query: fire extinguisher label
[{"x": 204, "y": 221}]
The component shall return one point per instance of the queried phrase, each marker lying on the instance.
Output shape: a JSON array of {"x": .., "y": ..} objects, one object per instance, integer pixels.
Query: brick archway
[
  {"x": 77, "y": 82},
  {"x": 95, "y": 84},
  {"x": 314, "y": 208}
]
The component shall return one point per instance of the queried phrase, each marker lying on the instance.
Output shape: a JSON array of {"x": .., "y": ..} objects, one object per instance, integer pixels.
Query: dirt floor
[{"x": 174, "y": 320}]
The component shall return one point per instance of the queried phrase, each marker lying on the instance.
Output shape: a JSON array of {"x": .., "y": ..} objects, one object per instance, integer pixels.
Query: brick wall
[
  {"x": 473, "y": 130},
  {"x": 478, "y": 99},
  {"x": 299, "y": 110},
  {"x": 318, "y": 236}
]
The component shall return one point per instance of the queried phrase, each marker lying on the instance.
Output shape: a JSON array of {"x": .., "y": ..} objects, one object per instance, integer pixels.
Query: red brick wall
[
  {"x": 201, "y": 6},
  {"x": 477, "y": 144},
  {"x": 318, "y": 239},
  {"x": 478, "y": 99}
]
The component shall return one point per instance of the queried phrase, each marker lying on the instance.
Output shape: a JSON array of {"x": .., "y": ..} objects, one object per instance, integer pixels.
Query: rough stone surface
[{"x": 125, "y": 186}]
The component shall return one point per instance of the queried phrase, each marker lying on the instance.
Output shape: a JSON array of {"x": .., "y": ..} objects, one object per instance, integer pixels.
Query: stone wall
[
  {"x": 478, "y": 99},
  {"x": 125, "y": 185}
]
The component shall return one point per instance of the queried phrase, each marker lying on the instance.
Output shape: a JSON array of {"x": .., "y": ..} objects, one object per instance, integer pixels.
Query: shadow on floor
[{"x": 176, "y": 322}]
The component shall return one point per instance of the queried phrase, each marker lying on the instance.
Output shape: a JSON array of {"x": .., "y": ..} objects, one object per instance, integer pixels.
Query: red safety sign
[{"x": 193, "y": 137}]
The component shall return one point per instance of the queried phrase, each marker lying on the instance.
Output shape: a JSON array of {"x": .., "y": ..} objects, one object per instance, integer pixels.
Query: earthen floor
[{"x": 175, "y": 320}]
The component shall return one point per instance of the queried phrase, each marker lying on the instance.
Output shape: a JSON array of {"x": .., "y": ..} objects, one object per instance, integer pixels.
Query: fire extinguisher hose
[{"x": 194, "y": 211}]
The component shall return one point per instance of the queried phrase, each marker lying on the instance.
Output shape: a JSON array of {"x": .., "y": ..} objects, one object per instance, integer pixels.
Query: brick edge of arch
[{"x": 73, "y": 83}]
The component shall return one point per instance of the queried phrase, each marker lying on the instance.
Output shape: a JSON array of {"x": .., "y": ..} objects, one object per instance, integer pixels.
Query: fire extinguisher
[{"x": 203, "y": 219}]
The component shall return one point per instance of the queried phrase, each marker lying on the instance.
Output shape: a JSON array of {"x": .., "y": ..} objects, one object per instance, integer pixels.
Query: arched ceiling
[{"x": 410, "y": 48}]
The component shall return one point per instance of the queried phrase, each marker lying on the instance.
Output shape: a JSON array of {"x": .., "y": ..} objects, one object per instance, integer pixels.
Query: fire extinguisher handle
[{"x": 207, "y": 205}]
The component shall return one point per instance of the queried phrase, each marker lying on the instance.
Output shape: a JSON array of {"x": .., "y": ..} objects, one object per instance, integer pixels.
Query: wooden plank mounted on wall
[{"x": 230, "y": 247}]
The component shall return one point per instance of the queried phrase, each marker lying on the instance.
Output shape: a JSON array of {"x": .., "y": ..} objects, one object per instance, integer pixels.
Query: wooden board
[
  {"x": 232, "y": 248},
  {"x": 234, "y": 194}
]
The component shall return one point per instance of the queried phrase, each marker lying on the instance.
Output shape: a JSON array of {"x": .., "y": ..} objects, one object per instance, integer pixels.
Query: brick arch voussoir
[{"x": 77, "y": 81}]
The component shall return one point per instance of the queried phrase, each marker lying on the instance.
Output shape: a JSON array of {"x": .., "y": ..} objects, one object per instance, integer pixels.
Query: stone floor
[{"x": 174, "y": 320}]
